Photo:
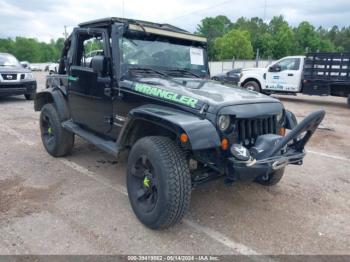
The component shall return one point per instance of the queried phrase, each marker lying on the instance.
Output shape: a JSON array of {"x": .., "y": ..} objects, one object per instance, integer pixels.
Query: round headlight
[{"x": 223, "y": 122}]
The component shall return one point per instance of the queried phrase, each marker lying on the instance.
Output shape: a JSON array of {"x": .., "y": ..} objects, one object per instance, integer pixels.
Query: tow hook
[{"x": 279, "y": 164}]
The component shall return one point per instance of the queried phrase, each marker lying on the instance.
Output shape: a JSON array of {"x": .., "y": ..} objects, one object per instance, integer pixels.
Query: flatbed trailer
[{"x": 327, "y": 74}]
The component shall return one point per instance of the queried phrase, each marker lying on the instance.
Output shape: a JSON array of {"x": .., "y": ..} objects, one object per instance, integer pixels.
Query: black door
[{"x": 89, "y": 105}]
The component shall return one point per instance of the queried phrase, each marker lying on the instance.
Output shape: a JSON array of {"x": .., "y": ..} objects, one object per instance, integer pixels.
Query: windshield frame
[
  {"x": 125, "y": 67},
  {"x": 9, "y": 58}
]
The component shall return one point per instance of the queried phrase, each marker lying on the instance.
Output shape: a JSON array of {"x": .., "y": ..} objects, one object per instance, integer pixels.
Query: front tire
[
  {"x": 158, "y": 182},
  {"x": 271, "y": 179},
  {"x": 29, "y": 96},
  {"x": 252, "y": 86},
  {"x": 56, "y": 140},
  {"x": 348, "y": 101}
]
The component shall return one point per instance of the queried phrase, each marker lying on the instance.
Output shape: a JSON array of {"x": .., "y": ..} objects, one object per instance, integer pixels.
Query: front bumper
[
  {"x": 272, "y": 152},
  {"x": 17, "y": 88},
  {"x": 249, "y": 171}
]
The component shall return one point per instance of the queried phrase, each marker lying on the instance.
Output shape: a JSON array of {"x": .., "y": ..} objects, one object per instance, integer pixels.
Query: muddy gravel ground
[{"x": 78, "y": 204}]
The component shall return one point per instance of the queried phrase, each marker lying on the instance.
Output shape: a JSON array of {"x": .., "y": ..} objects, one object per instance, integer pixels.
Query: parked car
[
  {"x": 15, "y": 79},
  {"x": 53, "y": 68},
  {"x": 36, "y": 67},
  {"x": 149, "y": 95},
  {"x": 320, "y": 74},
  {"x": 230, "y": 77}
]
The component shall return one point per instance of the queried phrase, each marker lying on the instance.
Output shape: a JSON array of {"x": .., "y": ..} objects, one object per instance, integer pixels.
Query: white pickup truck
[
  {"x": 314, "y": 74},
  {"x": 284, "y": 75}
]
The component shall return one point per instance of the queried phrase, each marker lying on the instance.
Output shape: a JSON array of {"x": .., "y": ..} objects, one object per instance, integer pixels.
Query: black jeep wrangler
[{"x": 149, "y": 92}]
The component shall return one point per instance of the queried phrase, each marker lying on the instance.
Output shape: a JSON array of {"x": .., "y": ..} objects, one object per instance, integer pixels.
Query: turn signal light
[
  {"x": 183, "y": 138},
  {"x": 282, "y": 131},
  {"x": 224, "y": 144}
]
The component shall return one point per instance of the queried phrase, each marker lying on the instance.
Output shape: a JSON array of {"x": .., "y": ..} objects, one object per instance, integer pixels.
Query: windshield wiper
[
  {"x": 184, "y": 71},
  {"x": 148, "y": 70}
]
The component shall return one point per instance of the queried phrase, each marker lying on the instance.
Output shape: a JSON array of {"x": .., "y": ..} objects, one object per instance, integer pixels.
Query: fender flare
[
  {"x": 56, "y": 97},
  {"x": 202, "y": 133},
  {"x": 290, "y": 120}
]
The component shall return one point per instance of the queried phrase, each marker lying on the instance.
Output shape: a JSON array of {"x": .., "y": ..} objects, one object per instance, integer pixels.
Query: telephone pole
[
  {"x": 123, "y": 9},
  {"x": 65, "y": 34},
  {"x": 265, "y": 10}
]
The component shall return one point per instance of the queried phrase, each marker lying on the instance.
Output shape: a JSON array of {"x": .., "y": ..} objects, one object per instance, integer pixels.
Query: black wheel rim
[
  {"x": 144, "y": 184},
  {"x": 48, "y": 133}
]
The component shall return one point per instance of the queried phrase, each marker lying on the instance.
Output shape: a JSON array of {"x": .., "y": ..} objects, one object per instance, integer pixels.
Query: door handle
[{"x": 290, "y": 74}]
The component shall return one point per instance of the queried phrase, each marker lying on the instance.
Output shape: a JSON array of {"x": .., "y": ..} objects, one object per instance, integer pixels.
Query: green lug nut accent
[{"x": 146, "y": 181}]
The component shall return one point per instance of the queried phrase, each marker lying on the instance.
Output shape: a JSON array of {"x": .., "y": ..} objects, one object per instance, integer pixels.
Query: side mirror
[
  {"x": 275, "y": 68},
  {"x": 24, "y": 64},
  {"x": 99, "y": 64}
]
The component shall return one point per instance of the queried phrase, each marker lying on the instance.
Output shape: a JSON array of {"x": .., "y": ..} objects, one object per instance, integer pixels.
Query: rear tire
[
  {"x": 56, "y": 140},
  {"x": 271, "y": 179},
  {"x": 252, "y": 86},
  {"x": 348, "y": 101},
  {"x": 158, "y": 182}
]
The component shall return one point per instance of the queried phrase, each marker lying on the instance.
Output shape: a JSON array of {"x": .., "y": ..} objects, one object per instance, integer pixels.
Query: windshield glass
[
  {"x": 8, "y": 60},
  {"x": 163, "y": 55}
]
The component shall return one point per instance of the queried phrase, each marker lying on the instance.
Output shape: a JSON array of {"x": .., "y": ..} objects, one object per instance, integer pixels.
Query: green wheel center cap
[
  {"x": 50, "y": 130},
  {"x": 146, "y": 181}
]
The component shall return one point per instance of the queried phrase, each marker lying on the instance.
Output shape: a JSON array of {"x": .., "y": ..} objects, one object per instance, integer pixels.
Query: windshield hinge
[{"x": 204, "y": 109}]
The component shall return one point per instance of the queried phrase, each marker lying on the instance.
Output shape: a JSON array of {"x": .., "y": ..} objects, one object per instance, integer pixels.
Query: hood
[
  {"x": 209, "y": 92},
  {"x": 14, "y": 69}
]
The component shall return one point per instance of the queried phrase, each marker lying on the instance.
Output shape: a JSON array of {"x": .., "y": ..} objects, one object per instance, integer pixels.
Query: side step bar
[{"x": 105, "y": 145}]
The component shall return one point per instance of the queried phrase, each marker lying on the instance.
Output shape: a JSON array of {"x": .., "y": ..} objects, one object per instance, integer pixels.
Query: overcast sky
[{"x": 45, "y": 19}]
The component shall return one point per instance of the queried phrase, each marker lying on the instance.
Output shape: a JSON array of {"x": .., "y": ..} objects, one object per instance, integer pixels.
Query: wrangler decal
[{"x": 165, "y": 94}]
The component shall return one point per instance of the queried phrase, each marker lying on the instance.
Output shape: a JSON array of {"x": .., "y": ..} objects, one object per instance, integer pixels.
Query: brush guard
[{"x": 273, "y": 152}]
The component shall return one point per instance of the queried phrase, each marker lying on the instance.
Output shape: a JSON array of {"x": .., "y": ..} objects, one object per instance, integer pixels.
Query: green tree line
[
  {"x": 226, "y": 39},
  {"x": 30, "y": 49},
  {"x": 241, "y": 39}
]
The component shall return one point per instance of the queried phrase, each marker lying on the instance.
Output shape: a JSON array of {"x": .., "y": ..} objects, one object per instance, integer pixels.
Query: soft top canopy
[{"x": 149, "y": 27}]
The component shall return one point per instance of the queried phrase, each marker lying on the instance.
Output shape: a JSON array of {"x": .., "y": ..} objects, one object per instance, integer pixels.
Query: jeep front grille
[{"x": 247, "y": 130}]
